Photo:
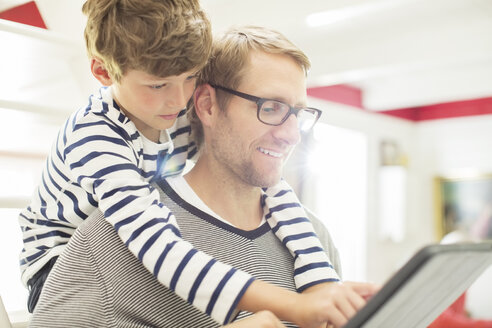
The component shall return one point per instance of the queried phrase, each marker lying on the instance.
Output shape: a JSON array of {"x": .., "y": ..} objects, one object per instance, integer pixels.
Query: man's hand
[
  {"x": 262, "y": 319},
  {"x": 333, "y": 303}
]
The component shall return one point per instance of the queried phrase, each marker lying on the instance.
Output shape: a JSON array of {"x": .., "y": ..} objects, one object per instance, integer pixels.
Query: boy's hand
[
  {"x": 262, "y": 319},
  {"x": 327, "y": 303},
  {"x": 333, "y": 303}
]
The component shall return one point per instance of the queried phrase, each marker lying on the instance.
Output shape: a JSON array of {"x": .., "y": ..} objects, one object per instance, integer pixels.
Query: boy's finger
[
  {"x": 364, "y": 289},
  {"x": 347, "y": 306},
  {"x": 337, "y": 318},
  {"x": 357, "y": 301}
]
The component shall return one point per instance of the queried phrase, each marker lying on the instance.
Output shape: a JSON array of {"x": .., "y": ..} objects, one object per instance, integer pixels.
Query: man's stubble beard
[{"x": 233, "y": 159}]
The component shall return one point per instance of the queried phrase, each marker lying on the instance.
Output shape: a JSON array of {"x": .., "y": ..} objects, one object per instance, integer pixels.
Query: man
[{"x": 249, "y": 107}]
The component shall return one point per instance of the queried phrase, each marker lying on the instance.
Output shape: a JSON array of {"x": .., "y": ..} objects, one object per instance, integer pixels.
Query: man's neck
[{"x": 232, "y": 200}]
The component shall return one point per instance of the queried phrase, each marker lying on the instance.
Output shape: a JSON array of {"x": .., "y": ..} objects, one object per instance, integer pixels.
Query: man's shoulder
[
  {"x": 95, "y": 222},
  {"x": 317, "y": 224},
  {"x": 319, "y": 228},
  {"x": 326, "y": 240}
]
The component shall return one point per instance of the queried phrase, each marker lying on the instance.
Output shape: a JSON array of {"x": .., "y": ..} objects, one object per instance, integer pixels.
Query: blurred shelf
[
  {"x": 42, "y": 71},
  {"x": 34, "y": 33}
]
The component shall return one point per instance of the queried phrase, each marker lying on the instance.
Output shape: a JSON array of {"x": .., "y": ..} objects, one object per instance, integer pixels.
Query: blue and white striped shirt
[{"x": 100, "y": 160}]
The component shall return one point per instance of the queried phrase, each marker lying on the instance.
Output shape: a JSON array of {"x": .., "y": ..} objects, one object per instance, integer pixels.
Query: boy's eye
[
  {"x": 157, "y": 86},
  {"x": 191, "y": 77}
]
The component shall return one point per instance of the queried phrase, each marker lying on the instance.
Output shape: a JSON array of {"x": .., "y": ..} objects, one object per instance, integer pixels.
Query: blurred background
[{"x": 402, "y": 153}]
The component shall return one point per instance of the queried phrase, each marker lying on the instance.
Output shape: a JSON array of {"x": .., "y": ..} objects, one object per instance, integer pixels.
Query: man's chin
[
  {"x": 265, "y": 178},
  {"x": 268, "y": 183}
]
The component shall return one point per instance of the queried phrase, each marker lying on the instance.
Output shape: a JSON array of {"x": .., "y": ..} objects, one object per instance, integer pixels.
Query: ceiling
[{"x": 399, "y": 53}]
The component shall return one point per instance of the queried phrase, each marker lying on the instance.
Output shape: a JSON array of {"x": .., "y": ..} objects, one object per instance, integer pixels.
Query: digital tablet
[{"x": 425, "y": 286}]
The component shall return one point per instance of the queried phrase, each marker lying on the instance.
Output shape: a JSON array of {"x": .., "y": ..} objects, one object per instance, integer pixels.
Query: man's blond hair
[
  {"x": 230, "y": 60},
  {"x": 160, "y": 37}
]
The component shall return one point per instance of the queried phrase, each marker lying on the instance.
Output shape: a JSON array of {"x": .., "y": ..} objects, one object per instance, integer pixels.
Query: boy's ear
[
  {"x": 205, "y": 103},
  {"x": 100, "y": 72}
]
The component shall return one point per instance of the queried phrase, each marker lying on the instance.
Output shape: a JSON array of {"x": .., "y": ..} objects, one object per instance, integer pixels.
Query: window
[{"x": 338, "y": 192}]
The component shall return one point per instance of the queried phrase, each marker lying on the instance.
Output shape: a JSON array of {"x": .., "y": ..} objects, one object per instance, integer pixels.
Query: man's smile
[{"x": 270, "y": 152}]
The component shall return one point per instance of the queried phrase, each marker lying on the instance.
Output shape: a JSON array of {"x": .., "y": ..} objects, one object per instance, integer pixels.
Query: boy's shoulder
[
  {"x": 102, "y": 104},
  {"x": 100, "y": 116},
  {"x": 100, "y": 107}
]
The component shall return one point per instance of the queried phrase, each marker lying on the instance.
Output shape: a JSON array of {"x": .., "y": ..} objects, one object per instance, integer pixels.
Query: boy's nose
[{"x": 177, "y": 98}]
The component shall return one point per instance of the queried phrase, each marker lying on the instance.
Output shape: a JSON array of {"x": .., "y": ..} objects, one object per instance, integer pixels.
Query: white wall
[{"x": 457, "y": 145}]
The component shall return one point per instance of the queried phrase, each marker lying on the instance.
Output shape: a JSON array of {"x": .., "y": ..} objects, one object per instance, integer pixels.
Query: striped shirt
[
  {"x": 98, "y": 283},
  {"x": 100, "y": 161}
]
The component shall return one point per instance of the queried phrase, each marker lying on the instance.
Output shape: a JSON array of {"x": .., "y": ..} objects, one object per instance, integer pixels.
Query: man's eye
[{"x": 272, "y": 107}]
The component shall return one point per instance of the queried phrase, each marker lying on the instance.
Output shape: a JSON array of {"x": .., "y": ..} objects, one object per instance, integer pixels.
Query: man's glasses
[{"x": 274, "y": 112}]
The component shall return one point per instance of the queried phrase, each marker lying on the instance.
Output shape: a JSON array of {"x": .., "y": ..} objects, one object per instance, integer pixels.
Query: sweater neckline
[{"x": 249, "y": 234}]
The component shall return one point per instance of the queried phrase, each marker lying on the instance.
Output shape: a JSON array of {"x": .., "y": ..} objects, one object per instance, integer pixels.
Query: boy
[{"x": 145, "y": 53}]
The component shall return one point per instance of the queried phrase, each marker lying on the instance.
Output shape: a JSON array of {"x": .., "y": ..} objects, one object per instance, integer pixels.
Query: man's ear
[
  {"x": 205, "y": 104},
  {"x": 100, "y": 72}
]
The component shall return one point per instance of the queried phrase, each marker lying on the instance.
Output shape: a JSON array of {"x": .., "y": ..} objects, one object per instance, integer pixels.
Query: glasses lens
[
  {"x": 306, "y": 119},
  {"x": 273, "y": 112}
]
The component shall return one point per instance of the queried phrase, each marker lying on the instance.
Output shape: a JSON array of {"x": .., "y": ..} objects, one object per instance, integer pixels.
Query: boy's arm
[
  {"x": 108, "y": 169},
  {"x": 290, "y": 224},
  {"x": 332, "y": 303}
]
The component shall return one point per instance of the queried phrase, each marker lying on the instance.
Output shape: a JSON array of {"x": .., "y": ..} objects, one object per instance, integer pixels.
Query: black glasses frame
[{"x": 259, "y": 102}]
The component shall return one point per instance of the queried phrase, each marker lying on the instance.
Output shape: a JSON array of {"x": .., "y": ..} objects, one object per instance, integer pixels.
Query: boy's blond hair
[
  {"x": 160, "y": 37},
  {"x": 230, "y": 60}
]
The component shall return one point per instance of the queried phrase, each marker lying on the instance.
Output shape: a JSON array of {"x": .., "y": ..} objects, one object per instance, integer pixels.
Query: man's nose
[{"x": 288, "y": 131}]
